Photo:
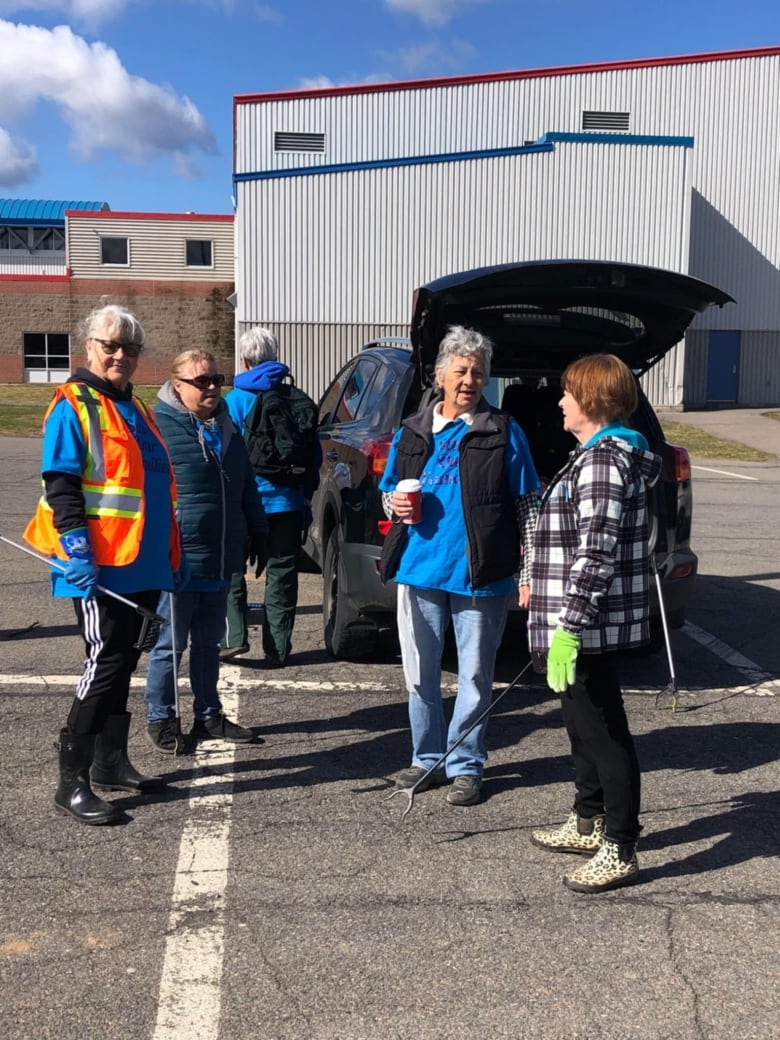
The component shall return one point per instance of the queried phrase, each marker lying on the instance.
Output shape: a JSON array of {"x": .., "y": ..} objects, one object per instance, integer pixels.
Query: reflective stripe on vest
[{"x": 112, "y": 482}]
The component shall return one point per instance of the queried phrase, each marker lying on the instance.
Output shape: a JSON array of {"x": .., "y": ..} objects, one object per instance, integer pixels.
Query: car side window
[
  {"x": 380, "y": 403},
  {"x": 332, "y": 395},
  {"x": 350, "y": 407}
]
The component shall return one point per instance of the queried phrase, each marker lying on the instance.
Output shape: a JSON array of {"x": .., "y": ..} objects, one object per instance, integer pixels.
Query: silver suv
[{"x": 540, "y": 317}]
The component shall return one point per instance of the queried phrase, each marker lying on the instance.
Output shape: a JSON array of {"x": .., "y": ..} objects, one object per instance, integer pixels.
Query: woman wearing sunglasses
[
  {"x": 219, "y": 511},
  {"x": 105, "y": 517}
]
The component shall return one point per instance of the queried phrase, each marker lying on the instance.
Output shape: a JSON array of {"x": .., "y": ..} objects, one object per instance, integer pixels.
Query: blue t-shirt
[
  {"x": 64, "y": 451},
  {"x": 436, "y": 554}
]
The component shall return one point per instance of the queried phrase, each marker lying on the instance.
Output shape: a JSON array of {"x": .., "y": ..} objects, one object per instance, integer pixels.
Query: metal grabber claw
[{"x": 411, "y": 791}]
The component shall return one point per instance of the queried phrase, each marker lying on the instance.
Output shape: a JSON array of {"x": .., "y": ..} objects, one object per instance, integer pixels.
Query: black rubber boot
[
  {"x": 74, "y": 795},
  {"x": 111, "y": 769}
]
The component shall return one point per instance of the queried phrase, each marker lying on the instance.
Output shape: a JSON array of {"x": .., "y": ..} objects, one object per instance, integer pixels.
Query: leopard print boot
[
  {"x": 577, "y": 834},
  {"x": 612, "y": 865}
]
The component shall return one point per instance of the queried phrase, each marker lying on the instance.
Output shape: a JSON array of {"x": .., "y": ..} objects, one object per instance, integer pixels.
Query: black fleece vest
[{"x": 488, "y": 507}]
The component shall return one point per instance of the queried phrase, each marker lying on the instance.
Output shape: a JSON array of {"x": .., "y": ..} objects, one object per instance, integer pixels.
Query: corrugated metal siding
[
  {"x": 731, "y": 107},
  {"x": 315, "y": 353},
  {"x": 663, "y": 384},
  {"x": 759, "y": 369},
  {"x": 42, "y": 211},
  {"x": 156, "y": 248},
  {"x": 353, "y": 246},
  {"x": 695, "y": 390},
  {"x": 34, "y": 264}
]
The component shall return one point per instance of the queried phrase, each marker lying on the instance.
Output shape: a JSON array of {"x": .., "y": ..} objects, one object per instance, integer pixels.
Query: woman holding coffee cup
[{"x": 462, "y": 492}]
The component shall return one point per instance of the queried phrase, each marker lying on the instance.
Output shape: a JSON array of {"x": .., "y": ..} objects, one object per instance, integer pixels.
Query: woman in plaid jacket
[{"x": 589, "y": 597}]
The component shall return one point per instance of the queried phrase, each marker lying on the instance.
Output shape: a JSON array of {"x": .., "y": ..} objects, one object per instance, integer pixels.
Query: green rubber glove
[{"x": 562, "y": 660}]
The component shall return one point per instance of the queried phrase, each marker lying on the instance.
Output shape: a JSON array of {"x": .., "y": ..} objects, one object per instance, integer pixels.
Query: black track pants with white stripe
[{"x": 109, "y": 629}]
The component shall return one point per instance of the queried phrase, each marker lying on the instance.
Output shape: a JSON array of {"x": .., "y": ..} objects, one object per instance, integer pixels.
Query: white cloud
[
  {"x": 17, "y": 161},
  {"x": 266, "y": 13},
  {"x": 431, "y": 59},
  {"x": 315, "y": 83},
  {"x": 85, "y": 12},
  {"x": 432, "y": 12},
  {"x": 106, "y": 108}
]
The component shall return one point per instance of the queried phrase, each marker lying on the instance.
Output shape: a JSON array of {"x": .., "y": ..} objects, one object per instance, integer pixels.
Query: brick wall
[{"x": 176, "y": 316}]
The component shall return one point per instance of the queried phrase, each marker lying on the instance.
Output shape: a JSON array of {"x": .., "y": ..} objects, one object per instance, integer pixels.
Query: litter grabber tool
[
  {"x": 411, "y": 791},
  {"x": 670, "y": 690},
  {"x": 150, "y": 625},
  {"x": 179, "y": 738}
]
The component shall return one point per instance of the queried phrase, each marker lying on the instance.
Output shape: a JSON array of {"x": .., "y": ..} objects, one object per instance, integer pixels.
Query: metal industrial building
[{"x": 348, "y": 198}]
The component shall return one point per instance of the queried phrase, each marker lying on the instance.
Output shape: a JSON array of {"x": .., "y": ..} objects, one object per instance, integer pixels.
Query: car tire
[{"x": 348, "y": 635}]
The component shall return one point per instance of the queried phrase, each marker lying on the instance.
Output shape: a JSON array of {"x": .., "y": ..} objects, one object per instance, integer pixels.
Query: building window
[
  {"x": 198, "y": 252},
  {"x": 46, "y": 350},
  {"x": 16, "y": 238},
  {"x": 285, "y": 141},
  {"x": 114, "y": 251},
  {"x": 32, "y": 239},
  {"x": 48, "y": 240}
]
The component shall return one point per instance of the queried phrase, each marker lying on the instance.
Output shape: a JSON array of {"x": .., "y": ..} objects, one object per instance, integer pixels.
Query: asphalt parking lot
[{"x": 274, "y": 893}]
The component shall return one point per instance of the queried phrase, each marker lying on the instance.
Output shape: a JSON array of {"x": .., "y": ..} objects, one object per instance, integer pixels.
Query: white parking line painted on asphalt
[
  {"x": 760, "y": 681},
  {"x": 757, "y": 682},
  {"x": 189, "y": 1002},
  {"x": 231, "y": 678},
  {"x": 724, "y": 473}
]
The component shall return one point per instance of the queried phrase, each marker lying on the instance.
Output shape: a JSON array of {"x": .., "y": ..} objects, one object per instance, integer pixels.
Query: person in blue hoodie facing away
[
  {"x": 285, "y": 507},
  {"x": 590, "y": 598}
]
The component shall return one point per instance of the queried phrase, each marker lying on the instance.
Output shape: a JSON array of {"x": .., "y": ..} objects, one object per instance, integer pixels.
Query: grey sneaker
[
  {"x": 409, "y": 777},
  {"x": 465, "y": 790},
  {"x": 219, "y": 727}
]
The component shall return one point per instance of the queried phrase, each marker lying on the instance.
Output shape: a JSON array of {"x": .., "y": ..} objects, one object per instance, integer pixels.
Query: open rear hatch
[{"x": 542, "y": 315}]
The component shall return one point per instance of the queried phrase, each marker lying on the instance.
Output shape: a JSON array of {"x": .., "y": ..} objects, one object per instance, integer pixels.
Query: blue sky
[{"x": 130, "y": 101}]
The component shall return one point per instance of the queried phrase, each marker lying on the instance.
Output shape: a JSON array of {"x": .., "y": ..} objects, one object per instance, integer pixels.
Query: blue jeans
[
  {"x": 201, "y": 617},
  {"x": 424, "y": 616}
]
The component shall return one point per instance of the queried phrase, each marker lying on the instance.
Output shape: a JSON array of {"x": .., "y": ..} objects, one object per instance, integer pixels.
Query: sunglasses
[
  {"x": 204, "y": 382},
  {"x": 111, "y": 346}
]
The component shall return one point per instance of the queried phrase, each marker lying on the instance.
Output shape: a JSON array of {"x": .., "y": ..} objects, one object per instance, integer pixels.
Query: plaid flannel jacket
[{"x": 591, "y": 565}]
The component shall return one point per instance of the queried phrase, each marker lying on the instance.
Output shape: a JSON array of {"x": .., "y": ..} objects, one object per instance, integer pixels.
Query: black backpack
[{"x": 281, "y": 435}]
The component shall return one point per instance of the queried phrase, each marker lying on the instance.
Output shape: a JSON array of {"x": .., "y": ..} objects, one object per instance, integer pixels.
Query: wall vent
[
  {"x": 290, "y": 142},
  {"x": 605, "y": 120}
]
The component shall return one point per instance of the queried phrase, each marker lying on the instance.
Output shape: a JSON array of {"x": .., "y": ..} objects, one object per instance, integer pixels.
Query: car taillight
[
  {"x": 682, "y": 571},
  {"x": 682, "y": 463},
  {"x": 377, "y": 453},
  {"x": 677, "y": 463},
  {"x": 384, "y": 526}
]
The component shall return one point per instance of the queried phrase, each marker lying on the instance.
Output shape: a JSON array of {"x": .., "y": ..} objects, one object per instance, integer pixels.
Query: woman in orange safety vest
[{"x": 107, "y": 517}]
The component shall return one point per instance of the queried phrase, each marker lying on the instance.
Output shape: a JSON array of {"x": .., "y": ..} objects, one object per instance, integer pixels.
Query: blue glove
[
  {"x": 81, "y": 571},
  {"x": 182, "y": 575},
  {"x": 562, "y": 660},
  {"x": 77, "y": 543}
]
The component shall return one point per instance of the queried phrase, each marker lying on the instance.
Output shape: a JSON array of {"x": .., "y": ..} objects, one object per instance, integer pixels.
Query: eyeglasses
[
  {"x": 204, "y": 382},
  {"x": 111, "y": 346}
]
